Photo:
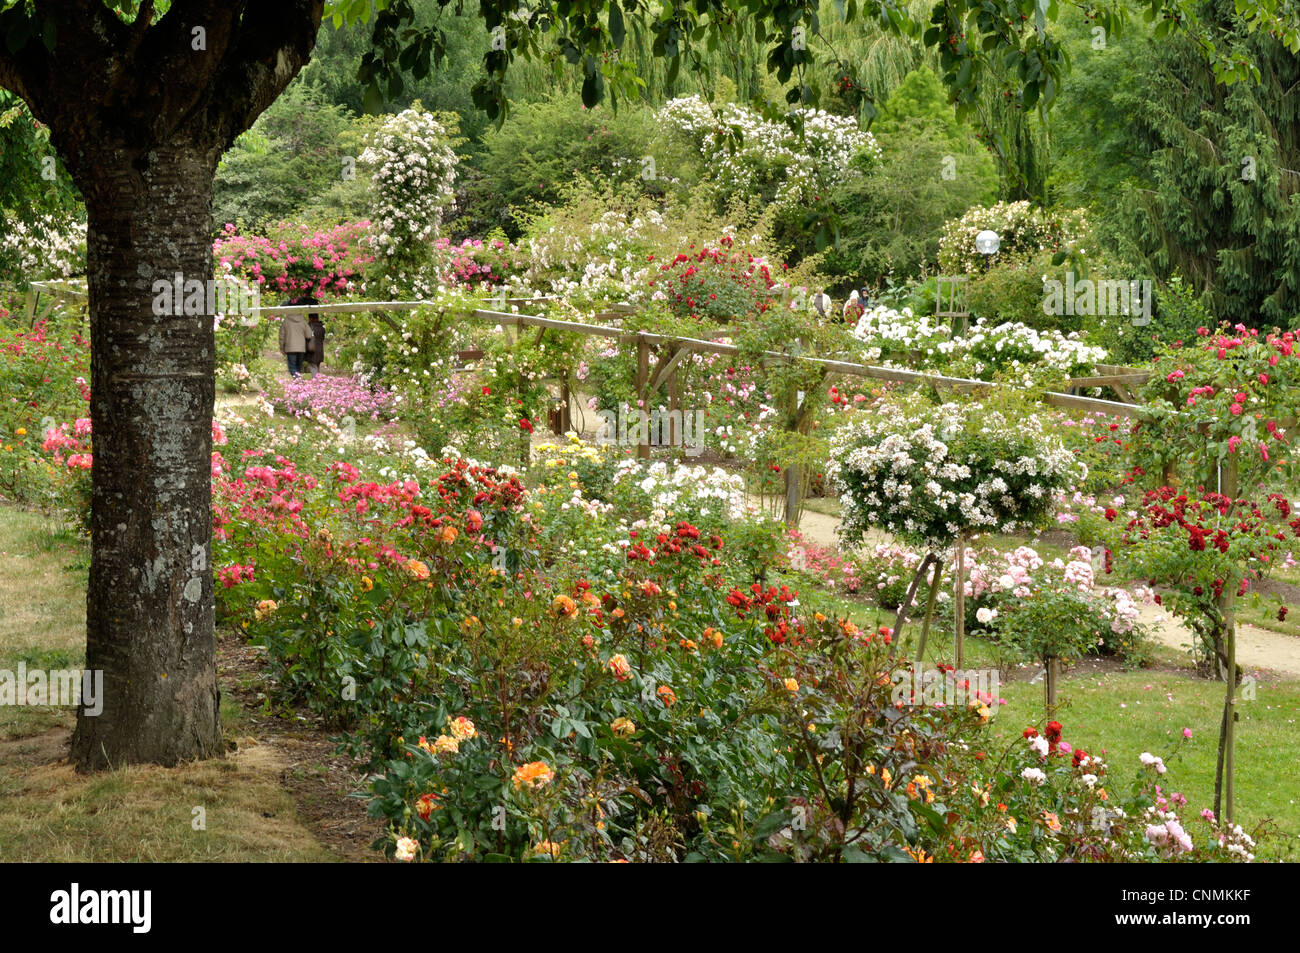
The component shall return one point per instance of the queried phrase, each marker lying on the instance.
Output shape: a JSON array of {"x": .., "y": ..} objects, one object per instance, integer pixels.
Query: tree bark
[
  {"x": 150, "y": 619},
  {"x": 140, "y": 111}
]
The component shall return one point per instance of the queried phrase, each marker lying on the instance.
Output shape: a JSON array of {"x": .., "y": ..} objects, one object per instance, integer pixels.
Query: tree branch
[{"x": 273, "y": 43}]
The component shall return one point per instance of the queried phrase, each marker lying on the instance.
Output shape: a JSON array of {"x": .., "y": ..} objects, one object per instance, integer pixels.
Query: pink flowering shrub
[
  {"x": 1013, "y": 593},
  {"x": 475, "y": 263},
  {"x": 294, "y": 260},
  {"x": 335, "y": 396}
]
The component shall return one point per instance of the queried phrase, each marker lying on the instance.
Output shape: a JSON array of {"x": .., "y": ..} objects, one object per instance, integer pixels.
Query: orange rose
[{"x": 534, "y": 774}]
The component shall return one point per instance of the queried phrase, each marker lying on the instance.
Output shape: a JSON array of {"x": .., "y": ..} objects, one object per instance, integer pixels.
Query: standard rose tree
[{"x": 934, "y": 474}]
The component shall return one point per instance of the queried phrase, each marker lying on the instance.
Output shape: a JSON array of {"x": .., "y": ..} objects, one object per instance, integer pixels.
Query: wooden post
[
  {"x": 791, "y": 495},
  {"x": 674, "y": 408},
  {"x": 643, "y": 393},
  {"x": 1049, "y": 685},
  {"x": 791, "y": 473},
  {"x": 1229, "y": 483},
  {"x": 929, "y": 609},
  {"x": 959, "y": 600}
]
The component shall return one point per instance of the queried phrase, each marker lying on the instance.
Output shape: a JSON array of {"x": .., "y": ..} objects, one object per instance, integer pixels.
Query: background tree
[{"x": 932, "y": 169}]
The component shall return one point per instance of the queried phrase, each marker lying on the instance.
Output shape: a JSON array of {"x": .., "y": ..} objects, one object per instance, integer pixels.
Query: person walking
[
  {"x": 822, "y": 302},
  {"x": 853, "y": 307},
  {"x": 295, "y": 336},
  {"x": 316, "y": 347}
]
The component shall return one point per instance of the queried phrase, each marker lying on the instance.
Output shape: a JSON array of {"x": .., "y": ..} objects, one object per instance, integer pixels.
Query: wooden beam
[{"x": 667, "y": 366}]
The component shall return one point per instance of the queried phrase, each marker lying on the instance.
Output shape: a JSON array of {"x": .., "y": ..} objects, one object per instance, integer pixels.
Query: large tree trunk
[{"x": 150, "y": 625}]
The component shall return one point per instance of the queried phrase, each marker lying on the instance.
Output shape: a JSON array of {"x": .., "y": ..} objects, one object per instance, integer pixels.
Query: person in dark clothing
[{"x": 316, "y": 346}]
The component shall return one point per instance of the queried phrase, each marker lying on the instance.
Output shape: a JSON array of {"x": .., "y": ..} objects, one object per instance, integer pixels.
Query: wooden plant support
[
  {"x": 929, "y": 608},
  {"x": 1224, "y": 788},
  {"x": 1049, "y": 685},
  {"x": 959, "y": 601},
  {"x": 908, "y": 600},
  {"x": 643, "y": 391}
]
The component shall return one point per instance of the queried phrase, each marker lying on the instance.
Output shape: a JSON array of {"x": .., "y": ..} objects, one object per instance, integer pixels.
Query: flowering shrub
[
  {"x": 590, "y": 255},
  {"x": 933, "y": 473},
  {"x": 748, "y": 155},
  {"x": 1050, "y": 800},
  {"x": 69, "y": 450},
  {"x": 1024, "y": 231},
  {"x": 475, "y": 264},
  {"x": 1010, "y": 351},
  {"x": 336, "y": 395},
  {"x": 294, "y": 260},
  {"x": 1019, "y": 353},
  {"x": 50, "y": 249},
  {"x": 1234, "y": 393},
  {"x": 1203, "y": 544},
  {"x": 43, "y": 383},
  {"x": 413, "y": 171},
  {"x": 889, "y": 331},
  {"x": 520, "y": 715},
  {"x": 1017, "y": 595},
  {"x": 713, "y": 284}
]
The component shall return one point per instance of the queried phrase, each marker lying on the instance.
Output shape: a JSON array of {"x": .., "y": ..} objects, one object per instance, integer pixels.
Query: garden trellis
[
  {"x": 660, "y": 357},
  {"x": 56, "y": 293}
]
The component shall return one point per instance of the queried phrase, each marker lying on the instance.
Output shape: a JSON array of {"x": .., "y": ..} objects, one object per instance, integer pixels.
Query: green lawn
[{"x": 1125, "y": 713}]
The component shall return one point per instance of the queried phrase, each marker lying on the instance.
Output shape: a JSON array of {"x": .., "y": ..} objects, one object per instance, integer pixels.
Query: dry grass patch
[
  {"x": 42, "y": 608},
  {"x": 49, "y": 812}
]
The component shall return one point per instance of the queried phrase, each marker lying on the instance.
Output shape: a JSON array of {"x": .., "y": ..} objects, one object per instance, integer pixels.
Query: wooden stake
[
  {"x": 1228, "y": 482},
  {"x": 642, "y": 392},
  {"x": 959, "y": 600},
  {"x": 929, "y": 608},
  {"x": 1049, "y": 686}
]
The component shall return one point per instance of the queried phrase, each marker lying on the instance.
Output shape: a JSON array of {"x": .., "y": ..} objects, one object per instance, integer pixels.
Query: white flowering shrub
[
  {"x": 598, "y": 260},
  {"x": 747, "y": 154},
  {"x": 1021, "y": 354},
  {"x": 1009, "y": 351},
  {"x": 49, "y": 249},
  {"x": 413, "y": 172},
  {"x": 1024, "y": 230},
  {"x": 933, "y": 473},
  {"x": 885, "y": 330}
]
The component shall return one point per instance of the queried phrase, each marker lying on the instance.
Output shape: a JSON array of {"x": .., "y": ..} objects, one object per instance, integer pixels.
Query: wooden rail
[{"x": 660, "y": 358}]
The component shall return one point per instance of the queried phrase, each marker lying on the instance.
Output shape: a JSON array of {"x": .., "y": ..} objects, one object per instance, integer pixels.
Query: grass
[
  {"x": 1124, "y": 713},
  {"x": 42, "y": 608},
  {"x": 48, "y": 812}
]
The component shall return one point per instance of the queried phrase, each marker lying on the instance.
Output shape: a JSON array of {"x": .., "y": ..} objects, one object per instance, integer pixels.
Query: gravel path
[{"x": 1256, "y": 647}]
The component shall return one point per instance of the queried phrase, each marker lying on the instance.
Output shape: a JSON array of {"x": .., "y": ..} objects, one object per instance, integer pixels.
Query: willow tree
[{"x": 143, "y": 97}]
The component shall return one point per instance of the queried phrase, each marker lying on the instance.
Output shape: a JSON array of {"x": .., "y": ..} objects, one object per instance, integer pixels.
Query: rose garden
[{"x": 688, "y": 480}]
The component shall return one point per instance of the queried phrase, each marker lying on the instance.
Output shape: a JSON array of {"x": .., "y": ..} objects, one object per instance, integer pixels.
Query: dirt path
[{"x": 1256, "y": 647}]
